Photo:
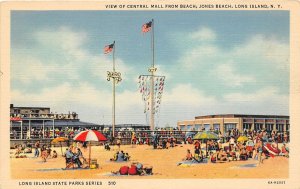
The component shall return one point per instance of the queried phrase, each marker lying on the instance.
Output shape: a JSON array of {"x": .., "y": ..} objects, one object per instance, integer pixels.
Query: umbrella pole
[
  {"x": 89, "y": 154},
  {"x": 61, "y": 149},
  {"x": 206, "y": 147}
]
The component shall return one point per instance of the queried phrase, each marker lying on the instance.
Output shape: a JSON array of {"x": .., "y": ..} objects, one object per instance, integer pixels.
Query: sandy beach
[{"x": 164, "y": 164}]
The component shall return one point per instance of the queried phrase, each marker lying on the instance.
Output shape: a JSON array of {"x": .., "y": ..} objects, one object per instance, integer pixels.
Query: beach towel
[{"x": 191, "y": 162}]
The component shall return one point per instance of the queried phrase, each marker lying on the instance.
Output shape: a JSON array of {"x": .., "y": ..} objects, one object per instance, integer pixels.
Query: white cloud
[
  {"x": 186, "y": 94},
  {"x": 230, "y": 76},
  {"x": 162, "y": 71},
  {"x": 269, "y": 94},
  {"x": 258, "y": 49},
  {"x": 83, "y": 97},
  {"x": 199, "y": 55},
  {"x": 64, "y": 39},
  {"x": 264, "y": 101},
  {"x": 204, "y": 34},
  {"x": 29, "y": 69},
  {"x": 184, "y": 102},
  {"x": 70, "y": 58},
  {"x": 269, "y": 50}
]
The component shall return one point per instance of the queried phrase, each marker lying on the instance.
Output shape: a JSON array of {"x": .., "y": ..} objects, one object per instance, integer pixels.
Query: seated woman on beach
[
  {"x": 198, "y": 157},
  {"x": 284, "y": 151},
  {"x": 143, "y": 170},
  {"x": 18, "y": 150},
  {"x": 54, "y": 154},
  {"x": 79, "y": 154},
  {"x": 28, "y": 149},
  {"x": 48, "y": 149},
  {"x": 120, "y": 156},
  {"x": 222, "y": 156},
  {"x": 69, "y": 155},
  {"x": 188, "y": 156},
  {"x": 214, "y": 157},
  {"x": 126, "y": 157},
  {"x": 44, "y": 154},
  {"x": 76, "y": 157},
  {"x": 243, "y": 154},
  {"x": 115, "y": 156},
  {"x": 231, "y": 154},
  {"x": 164, "y": 144},
  {"x": 197, "y": 144},
  {"x": 197, "y": 150}
]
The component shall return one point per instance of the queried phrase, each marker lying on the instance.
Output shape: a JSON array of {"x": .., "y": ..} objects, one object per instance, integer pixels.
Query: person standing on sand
[
  {"x": 36, "y": 147},
  {"x": 119, "y": 142},
  {"x": 260, "y": 150}
]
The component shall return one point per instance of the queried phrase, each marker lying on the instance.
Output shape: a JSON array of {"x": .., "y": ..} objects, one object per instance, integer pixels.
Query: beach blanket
[
  {"x": 250, "y": 165},
  {"x": 75, "y": 169},
  {"x": 118, "y": 161},
  {"x": 60, "y": 169},
  {"x": 119, "y": 175},
  {"x": 191, "y": 162}
]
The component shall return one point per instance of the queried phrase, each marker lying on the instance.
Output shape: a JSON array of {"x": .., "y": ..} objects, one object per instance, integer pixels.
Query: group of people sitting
[
  {"x": 120, "y": 156},
  {"x": 166, "y": 143},
  {"x": 242, "y": 151},
  {"x": 197, "y": 157},
  {"x": 73, "y": 158},
  {"x": 136, "y": 168},
  {"x": 27, "y": 148},
  {"x": 46, "y": 153},
  {"x": 236, "y": 151}
]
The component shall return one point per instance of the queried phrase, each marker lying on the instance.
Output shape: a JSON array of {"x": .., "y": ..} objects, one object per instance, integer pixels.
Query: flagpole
[
  {"x": 153, "y": 43},
  {"x": 114, "y": 48},
  {"x": 150, "y": 96},
  {"x": 114, "y": 94},
  {"x": 116, "y": 78},
  {"x": 152, "y": 70}
]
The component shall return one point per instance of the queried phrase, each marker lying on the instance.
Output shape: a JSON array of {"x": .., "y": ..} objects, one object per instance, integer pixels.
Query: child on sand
[
  {"x": 188, "y": 156},
  {"x": 54, "y": 154}
]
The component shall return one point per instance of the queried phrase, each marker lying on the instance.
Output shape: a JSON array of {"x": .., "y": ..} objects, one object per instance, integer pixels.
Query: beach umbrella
[
  {"x": 206, "y": 135},
  {"x": 242, "y": 139},
  {"x": 88, "y": 136},
  {"x": 60, "y": 140}
]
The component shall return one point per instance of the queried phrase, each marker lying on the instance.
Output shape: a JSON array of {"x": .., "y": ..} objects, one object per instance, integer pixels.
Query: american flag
[
  {"x": 146, "y": 27},
  {"x": 108, "y": 48}
]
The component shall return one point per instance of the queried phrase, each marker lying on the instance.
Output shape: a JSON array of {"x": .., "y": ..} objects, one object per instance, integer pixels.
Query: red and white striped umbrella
[{"x": 90, "y": 135}]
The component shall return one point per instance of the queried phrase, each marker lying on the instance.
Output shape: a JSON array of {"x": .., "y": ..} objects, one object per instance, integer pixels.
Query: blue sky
[{"x": 214, "y": 62}]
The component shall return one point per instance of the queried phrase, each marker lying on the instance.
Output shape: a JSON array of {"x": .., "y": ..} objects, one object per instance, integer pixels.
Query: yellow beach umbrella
[
  {"x": 242, "y": 139},
  {"x": 206, "y": 135},
  {"x": 60, "y": 140}
]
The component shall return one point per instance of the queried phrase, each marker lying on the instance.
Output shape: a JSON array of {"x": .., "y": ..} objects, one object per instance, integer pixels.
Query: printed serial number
[
  {"x": 276, "y": 182},
  {"x": 112, "y": 183}
]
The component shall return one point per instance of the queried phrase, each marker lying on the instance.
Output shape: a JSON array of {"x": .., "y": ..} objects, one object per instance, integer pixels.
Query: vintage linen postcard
[{"x": 149, "y": 94}]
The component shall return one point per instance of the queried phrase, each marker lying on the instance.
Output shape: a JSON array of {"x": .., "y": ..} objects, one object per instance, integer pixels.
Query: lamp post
[{"x": 116, "y": 78}]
